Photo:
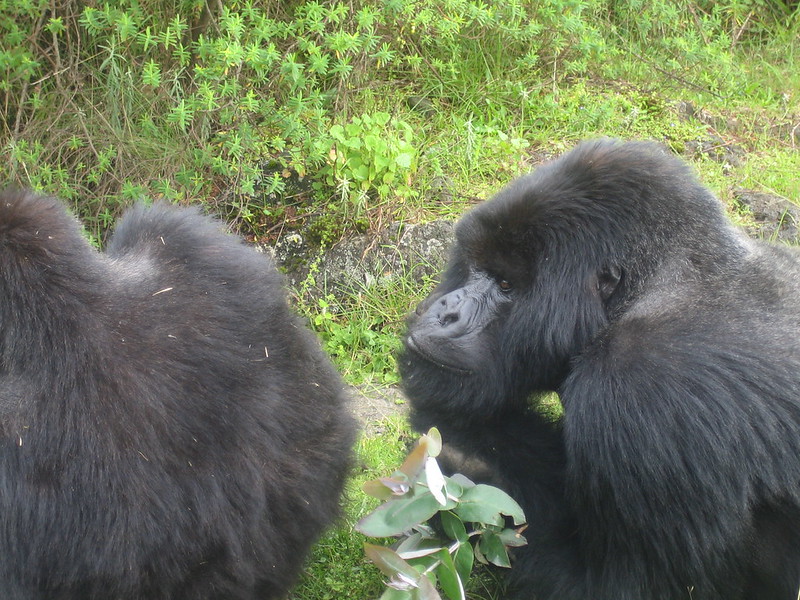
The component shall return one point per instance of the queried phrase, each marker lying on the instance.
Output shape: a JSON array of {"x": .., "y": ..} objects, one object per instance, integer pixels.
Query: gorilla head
[
  {"x": 614, "y": 278},
  {"x": 168, "y": 429}
]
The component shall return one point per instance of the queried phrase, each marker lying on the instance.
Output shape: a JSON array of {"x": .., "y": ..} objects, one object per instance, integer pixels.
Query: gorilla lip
[{"x": 414, "y": 347}]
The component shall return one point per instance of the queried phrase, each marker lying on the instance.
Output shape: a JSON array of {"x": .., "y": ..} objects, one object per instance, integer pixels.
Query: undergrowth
[{"x": 267, "y": 111}]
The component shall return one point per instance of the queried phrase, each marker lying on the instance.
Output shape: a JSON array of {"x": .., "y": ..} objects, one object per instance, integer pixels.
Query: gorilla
[
  {"x": 612, "y": 277},
  {"x": 168, "y": 429}
]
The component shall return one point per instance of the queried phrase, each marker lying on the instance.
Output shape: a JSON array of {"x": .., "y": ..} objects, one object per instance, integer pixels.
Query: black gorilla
[
  {"x": 614, "y": 278},
  {"x": 168, "y": 429}
]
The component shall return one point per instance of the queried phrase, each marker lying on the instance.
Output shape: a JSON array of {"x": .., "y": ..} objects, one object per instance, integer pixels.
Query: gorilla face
[
  {"x": 453, "y": 327},
  {"x": 510, "y": 311}
]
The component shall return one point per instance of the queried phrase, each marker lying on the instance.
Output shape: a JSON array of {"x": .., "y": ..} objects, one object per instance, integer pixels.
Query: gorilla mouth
[{"x": 412, "y": 345}]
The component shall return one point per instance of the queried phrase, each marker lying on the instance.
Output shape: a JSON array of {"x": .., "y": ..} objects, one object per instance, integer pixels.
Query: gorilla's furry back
[
  {"x": 613, "y": 277},
  {"x": 169, "y": 429}
]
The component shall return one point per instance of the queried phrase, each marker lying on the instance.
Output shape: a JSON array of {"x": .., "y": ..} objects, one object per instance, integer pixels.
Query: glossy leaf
[
  {"x": 449, "y": 579},
  {"x": 485, "y": 504},
  {"x": 398, "y": 516},
  {"x": 464, "y": 558},
  {"x": 513, "y": 537},
  {"x": 389, "y": 562},
  {"x": 416, "y": 545},
  {"x": 493, "y": 549},
  {"x": 453, "y": 526}
]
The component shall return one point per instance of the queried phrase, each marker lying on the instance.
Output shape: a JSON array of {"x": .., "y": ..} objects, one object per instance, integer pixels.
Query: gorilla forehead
[{"x": 603, "y": 192}]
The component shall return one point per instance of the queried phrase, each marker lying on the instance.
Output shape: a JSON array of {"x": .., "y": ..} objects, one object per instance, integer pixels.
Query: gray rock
[
  {"x": 418, "y": 250},
  {"x": 774, "y": 218}
]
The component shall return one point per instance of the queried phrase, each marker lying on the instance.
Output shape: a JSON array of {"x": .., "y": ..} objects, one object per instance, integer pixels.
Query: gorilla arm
[{"x": 668, "y": 447}]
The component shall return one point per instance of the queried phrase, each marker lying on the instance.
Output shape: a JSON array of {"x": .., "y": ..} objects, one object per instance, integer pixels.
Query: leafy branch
[{"x": 425, "y": 557}]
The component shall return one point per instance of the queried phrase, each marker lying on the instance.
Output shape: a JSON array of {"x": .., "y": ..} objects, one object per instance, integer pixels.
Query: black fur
[
  {"x": 168, "y": 429},
  {"x": 673, "y": 341}
]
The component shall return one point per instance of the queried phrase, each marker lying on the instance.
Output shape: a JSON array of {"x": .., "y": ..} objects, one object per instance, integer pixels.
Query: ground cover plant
[{"x": 340, "y": 117}]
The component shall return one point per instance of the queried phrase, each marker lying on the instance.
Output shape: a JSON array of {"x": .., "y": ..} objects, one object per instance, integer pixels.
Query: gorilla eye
[{"x": 505, "y": 285}]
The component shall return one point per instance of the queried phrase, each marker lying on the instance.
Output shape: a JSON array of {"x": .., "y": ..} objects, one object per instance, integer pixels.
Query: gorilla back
[
  {"x": 168, "y": 430},
  {"x": 612, "y": 277}
]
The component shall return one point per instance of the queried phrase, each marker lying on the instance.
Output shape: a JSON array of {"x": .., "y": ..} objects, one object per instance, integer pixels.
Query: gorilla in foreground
[
  {"x": 169, "y": 429},
  {"x": 612, "y": 277}
]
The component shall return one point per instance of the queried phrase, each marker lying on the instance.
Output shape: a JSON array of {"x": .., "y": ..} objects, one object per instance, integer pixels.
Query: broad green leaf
[
  {"x": 381, "y": 162},
  {"x": 361, "y": 173},
  {"x": 417, "y": 546},
  {"x": 449, "y": 579},
  {"x": 462, "y": 480},
  {"x": 370, "y": 142},
  {"x": 453, "y": 526},
  {"x": 397, "y": 516},
  {"x": 337, "y": 132},
  {"x": 464, "y": 558},
  {"x": 485, "y": 504},
  {"x": 493, "y": 549},
  {"x": 426, "y": 590},
  {"x": 454, "y": 488},
  {"x": 389, "y": 563}
]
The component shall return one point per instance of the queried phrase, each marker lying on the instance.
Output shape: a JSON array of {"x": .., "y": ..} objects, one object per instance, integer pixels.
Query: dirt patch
[{"x": 373, "y": 404}]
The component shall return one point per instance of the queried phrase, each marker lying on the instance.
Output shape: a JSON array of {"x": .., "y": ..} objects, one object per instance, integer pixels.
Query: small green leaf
[
  {"x": 454, "y": 488},
  {"x": 404, "y": 160},
  {"x": 513, "y": 537},
  {"x": 361, "y": 173},
  {"x": 464, "y": 558},
  {"x": 434, "y": 439},
  {"x": 453, "y": 526},
  {"x": 381, "y": 118},
  {"x": 337, "y": 132},
  {"x": 493, "y": 549}
]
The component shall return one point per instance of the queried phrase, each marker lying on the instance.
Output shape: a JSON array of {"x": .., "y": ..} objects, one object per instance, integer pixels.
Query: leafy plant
[
  {"x": 473, "y": 526},
  {"x": 373, "y": 152}
]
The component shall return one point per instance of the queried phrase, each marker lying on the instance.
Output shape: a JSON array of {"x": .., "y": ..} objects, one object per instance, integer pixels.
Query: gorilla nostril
[{"x": 448, "y": 319}]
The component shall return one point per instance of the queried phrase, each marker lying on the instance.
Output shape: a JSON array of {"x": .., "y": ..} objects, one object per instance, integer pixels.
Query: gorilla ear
[{"x": 607, "y": 281}]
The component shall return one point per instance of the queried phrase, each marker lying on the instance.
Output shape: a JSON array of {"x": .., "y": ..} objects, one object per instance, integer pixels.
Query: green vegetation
[
  {"x": 345, "y": 116},
  {"x": 472, "y": 518}
]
